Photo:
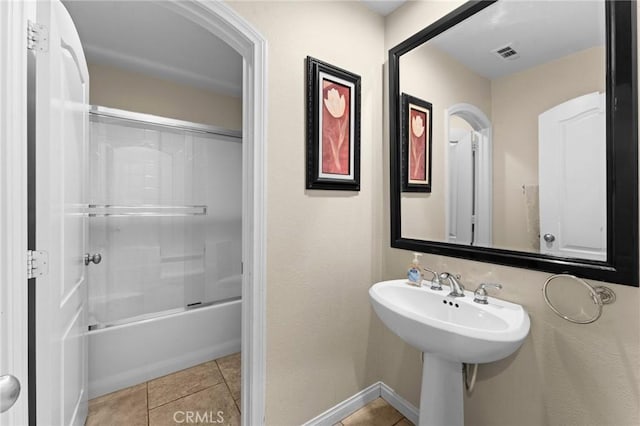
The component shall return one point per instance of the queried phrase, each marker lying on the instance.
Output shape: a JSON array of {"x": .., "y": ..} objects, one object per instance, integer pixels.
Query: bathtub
[{"x": 129, "y": 354}]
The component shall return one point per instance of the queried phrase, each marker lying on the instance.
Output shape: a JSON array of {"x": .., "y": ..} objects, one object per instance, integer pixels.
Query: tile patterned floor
[
  {"x": 376, "y": 413},
  {"x": 206, "y": 392}
]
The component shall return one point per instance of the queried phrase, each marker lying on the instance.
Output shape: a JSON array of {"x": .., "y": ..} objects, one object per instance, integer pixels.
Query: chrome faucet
[
  {"x": 480, "y": 295},
  {"x": 435, "y": 282},
  {"x": 457, "y": 289}
]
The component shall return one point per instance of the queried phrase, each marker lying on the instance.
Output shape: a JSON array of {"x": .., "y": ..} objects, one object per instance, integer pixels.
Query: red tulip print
[
  {"x": 335, "y": 128},
  {"x": 417, "y": 145}
]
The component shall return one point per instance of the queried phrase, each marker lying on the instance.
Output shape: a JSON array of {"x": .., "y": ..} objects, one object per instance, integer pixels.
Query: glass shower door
[{"x": 166, "y": 215}]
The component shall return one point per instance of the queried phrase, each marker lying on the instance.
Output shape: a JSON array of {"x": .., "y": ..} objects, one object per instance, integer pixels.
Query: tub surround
[
  {"x": 129, "y": 354},
  {"x": 167, "y": 293}
]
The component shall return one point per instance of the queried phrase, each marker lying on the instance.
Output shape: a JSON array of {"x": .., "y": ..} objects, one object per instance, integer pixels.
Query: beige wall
[
  {"x": 123, "y": 89},
  {"x": 565, "y": 374},
  {"x": 325, "y": 249},
  {"x": 517, "y": 101},
  {"x": 456, "y": 84},
  {"x": 323, "y": 246}
]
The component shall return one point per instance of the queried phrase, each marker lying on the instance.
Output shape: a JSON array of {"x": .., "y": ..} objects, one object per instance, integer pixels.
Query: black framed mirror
[{"x": 533, "y": 156}]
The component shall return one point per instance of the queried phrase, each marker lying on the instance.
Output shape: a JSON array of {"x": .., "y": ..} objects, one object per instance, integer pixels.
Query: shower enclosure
[{"x": 165, "y": 220}]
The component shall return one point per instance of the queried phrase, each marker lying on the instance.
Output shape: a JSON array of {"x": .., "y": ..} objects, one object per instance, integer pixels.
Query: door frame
[
  {"x": 480, "y": 123},
  {"x": 220, "y": 20},
  {"x": 13, "y": 201}
]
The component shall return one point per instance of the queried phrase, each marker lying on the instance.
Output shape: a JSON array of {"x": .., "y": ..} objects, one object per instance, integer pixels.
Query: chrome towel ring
[{"x": 599, "y": 295}]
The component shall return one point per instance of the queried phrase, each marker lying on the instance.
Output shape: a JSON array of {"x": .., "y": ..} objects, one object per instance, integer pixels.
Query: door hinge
[
  {"x": 474, "y": 142},
  {"x": 37, "y": 263},
  {"x": 37, "y": 37}
]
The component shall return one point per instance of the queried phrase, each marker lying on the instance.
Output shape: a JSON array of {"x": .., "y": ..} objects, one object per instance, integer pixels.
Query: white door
[
  {"x": 572, "y": 178},
  {"x": 62, "y": 94},
  {"x": 461, "y": 190},
  {"x": 482, "y": 226}
]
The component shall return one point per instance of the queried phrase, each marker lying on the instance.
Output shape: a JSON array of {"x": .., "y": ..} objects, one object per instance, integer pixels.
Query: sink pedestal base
[{"x": 441, "y": 398}]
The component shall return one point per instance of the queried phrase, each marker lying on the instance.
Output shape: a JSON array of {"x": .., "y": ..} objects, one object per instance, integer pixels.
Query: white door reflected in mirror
[
  {"x": 573, "y": 177},
  {"x": 469, "y": 164}
]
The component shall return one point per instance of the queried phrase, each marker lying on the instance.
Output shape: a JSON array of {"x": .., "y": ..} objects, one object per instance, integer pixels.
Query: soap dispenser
[{"x": 414, "y": 275}]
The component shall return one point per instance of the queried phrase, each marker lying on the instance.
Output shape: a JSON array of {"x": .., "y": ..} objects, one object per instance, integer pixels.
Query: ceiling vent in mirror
[{"x": 507, "y": 52}]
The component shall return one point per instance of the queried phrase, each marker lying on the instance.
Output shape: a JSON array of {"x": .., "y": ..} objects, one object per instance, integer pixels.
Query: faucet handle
[
  {"x": 445, "y": 275},
  {"x": 435, "y": 282},
  {"x": 480, "y": 295}
]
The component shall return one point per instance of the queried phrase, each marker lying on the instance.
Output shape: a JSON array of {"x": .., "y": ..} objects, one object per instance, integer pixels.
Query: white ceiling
[
  {"x": 383, "y": 7},
  {"x": 540, "y": 31},
  {"x": 145, "y": 37}
]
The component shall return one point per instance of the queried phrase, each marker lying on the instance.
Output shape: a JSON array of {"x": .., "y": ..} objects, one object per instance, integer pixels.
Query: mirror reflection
[{"x": 518, "y": 149}]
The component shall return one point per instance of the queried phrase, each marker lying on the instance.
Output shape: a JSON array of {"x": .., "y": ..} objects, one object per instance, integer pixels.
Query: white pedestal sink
[{"x": 449, "y": 331}]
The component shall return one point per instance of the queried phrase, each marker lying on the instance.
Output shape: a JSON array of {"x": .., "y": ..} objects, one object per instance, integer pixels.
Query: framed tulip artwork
[
  {"x": 333, "y": 127},
  {"x": 416, "y": 144}
]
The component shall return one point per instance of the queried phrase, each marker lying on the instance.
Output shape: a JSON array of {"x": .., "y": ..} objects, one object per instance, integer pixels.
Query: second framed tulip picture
[
  {"x": 333, "y": 127},
  {"x": 416, "y": 144}
]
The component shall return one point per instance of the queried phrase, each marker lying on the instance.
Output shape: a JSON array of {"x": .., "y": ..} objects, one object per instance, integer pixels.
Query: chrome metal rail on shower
[
  {"x": 153, "y": 315},
  {"x": 153, "y": 210},
  {"x": 99, "y": 111},
  {"x": 144, "y": 210}
]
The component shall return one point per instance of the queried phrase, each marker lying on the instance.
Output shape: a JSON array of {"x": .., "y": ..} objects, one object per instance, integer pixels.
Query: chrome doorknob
[
  {"x": 549, "y": 238},
  {"x": 95, "y": 258},
  {"x": 9, "y": 391}
]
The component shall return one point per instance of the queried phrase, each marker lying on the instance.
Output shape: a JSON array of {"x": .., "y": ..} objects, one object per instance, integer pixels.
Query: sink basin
[
  {"x": 457, "y": 329},
  {"x": 449, "y": 331}
]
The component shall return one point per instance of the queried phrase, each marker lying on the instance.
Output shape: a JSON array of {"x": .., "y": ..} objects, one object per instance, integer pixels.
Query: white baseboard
[
  {"x": 340, "y": 411},
  {"x": 362, "y": 398}
]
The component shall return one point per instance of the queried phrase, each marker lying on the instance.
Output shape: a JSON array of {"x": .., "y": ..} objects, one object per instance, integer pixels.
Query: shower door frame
[
  {"x": 117, "y": 116},
  {"x": 222, "y": 21}
]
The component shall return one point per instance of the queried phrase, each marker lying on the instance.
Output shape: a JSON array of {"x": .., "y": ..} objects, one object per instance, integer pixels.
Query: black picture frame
[
  {"x": 330, "y": 119},
  {"x": 409, "y": 138},
  {"x": 622, "y": 263}
]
